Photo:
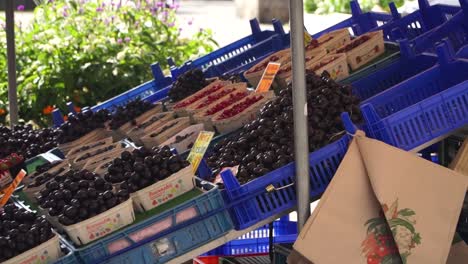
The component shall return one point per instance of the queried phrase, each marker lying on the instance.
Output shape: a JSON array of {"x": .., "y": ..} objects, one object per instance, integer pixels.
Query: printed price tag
[
  {"x": 268, "y": 77},
  {"x": 199, "y": 148},
  {"x": 10, "y": 189}
]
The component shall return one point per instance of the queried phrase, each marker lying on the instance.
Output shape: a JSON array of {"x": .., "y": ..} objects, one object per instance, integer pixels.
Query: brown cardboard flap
[
  {"x": 297, "y": 258},
  {"x": 458, "y": 253},
  {"x": 460, "y": 163},
  {"x": 384, "y": 205}
]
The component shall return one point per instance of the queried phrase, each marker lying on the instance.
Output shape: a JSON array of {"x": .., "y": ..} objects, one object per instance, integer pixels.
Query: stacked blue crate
[
  {"x": 454, "y": 29},
  {"x": 423, "y": 108},
  {"x": 417, "y": 23}
]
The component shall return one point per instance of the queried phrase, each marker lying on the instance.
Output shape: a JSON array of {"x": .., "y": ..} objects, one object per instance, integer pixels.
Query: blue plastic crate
[
  {"x": 70, "y": 257},
  {"x": 454, "y": 29},
  {"x": 210, "y": 221},
  {"x": 463, "y": 52},
  {"x": 406, "y": 66},
  {"x": 257, "y": 241},
  {"x": 424, "y": 107},
  {"x": 230, "y": 51},
  {"x": 141, "y": 91},
  {"x": 144, "y": 90},
  {"x": 251, "y": 202},
  {"x": 418, "y": 22},
  {"x": 359, "y": 22}
]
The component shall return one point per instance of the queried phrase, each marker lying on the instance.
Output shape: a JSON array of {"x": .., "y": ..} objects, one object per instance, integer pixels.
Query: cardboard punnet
[
  {"x": 384, "y": 205},
  {"x": 181, "y": 107}
]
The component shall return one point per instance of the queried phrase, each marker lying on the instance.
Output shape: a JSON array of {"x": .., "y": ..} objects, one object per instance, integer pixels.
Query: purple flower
[
  {"x": 127, "y": 39},
  {"x": 171, "y": 24},
  {"x": 160, "y": 4},
  {"x": 99, "y": 9},
  {"x": 119, "y": 41},
  {"x": 81, "y": 10},
  {"x": 190, "y": 22},
  {"x": 20, "y": 8},
  {"x": 64, "y": 13}
]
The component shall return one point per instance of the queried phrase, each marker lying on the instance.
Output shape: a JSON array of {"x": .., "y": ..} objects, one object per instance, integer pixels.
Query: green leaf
[
  {"x": 398, "y": 221},
  {"x": 406, "y": 212},
  {"x": 374, "y": 223},
  {"x": 417, "y": 238}
]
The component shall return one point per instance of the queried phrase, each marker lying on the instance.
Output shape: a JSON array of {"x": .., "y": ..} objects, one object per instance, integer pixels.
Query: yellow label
[
  {"x": 199, "y": 148},
  {"x": 307, "y": 37},
  {"x": 10, "y": 189},
  {"x": 268, "y": 77}
]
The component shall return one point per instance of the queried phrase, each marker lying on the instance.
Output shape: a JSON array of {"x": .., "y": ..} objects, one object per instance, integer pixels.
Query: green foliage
[
  {"x": 342, "y": 6},
  {"x": 87, "y": 51}
]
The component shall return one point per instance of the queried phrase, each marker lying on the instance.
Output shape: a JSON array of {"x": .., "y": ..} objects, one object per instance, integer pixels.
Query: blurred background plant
[
  {"x": 342, "y": 6},
  {"x": 87, "y": 51}
]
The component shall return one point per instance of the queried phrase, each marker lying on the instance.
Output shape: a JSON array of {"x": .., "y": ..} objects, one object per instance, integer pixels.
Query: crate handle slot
[
  {"x": 157, "y": 71},
  {"x": 355, "y": 8},
  {"x": 423, "y": 4},
  {"x": 394, "y": 11},
  {"x": 254, "y": 26},
  {"x": 464, "y": 6},
  {"x": 405, "y": 49},
  {"x": 444, "y": 53},
  {"x": 57, "y": 117},
  {"x": 278, "y": 27}
]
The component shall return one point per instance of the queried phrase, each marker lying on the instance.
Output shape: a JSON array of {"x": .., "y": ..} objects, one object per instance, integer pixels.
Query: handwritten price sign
[
  {"x": 7, "y": 192},
  {"x": 268, "y": 77}
]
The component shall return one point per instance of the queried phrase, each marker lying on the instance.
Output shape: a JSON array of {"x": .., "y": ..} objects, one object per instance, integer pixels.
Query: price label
[
  {"x": 199, "y": 148},
  {"x": 307, "y": 37},
  {"x": 268, "y": 77},
  {"x": 10, "y": 189}
]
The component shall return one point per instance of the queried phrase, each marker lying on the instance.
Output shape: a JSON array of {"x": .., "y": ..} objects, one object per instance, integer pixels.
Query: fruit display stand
[
  {"x": 334, "y": 39},
  {"x": 161, "y": 234},
  {"x": 363, "y": 49},
  {"x": 229, "y": 236},
  {"x": 386, "y": 75},
  {"x": 254, "y": 74},
  {"x": 183, "y": 141},
  {"x": 258, "y": 241},
  {"x": 122, "y": 132},
  {"x": 47, "y": 251},
  {"x": 84, "y": 232},
  {"x": 78, "y": 150},
  {"x": 160, "y": 81},
  {"x": 163, "y": 133},
  {"x": 210, "y": 100},
  {"x": 423, "y": 109},
  {"x": 94, "y": 154},
  {"x": 92, "y": 136},
  {"x": 182, "y": 107},
  {"x": 97, "y": 164},
  {"x": 164, "y": 190},
  {"x": 418, "y": 22},
  {"x": 453, "y": 29},
  {"x": 335, "y": 64},
  {"x": 231, "y": 52},
  {"x": 148, "y": 125},
  {"x": 240, "y": 117}
]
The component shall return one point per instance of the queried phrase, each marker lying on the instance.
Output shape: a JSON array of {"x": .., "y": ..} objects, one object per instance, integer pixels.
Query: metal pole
[
  {"x": 10, "y": 34},
  {"x": 301, "y": 142}
]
